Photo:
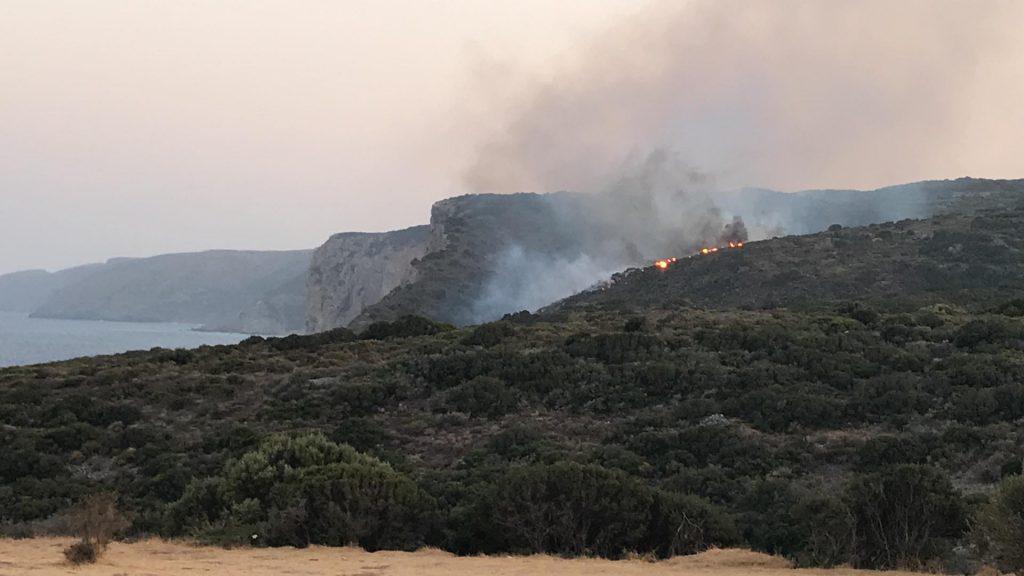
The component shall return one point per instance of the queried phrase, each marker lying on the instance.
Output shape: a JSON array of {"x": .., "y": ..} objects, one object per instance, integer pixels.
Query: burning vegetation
[
  {"x": 733, "y": 236},
  {"x": 665, "y": 263}
]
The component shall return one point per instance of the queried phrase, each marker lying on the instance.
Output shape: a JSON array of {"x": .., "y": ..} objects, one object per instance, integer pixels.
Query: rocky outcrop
[{"x": 354, "y": 270}]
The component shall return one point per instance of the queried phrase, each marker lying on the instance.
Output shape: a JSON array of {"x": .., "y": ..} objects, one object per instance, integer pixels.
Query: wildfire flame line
[{"x": 664, "y": 263}]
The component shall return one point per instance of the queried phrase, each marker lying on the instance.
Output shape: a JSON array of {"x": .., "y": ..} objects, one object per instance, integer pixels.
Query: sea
[{"x": 25, "y": 340}]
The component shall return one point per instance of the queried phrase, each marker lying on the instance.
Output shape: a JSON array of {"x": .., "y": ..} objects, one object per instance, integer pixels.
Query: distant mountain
[
  {"x": 770, "y": 213},
  {"x": 243, "y": 291},
  {"x": 27, "y": 290}
]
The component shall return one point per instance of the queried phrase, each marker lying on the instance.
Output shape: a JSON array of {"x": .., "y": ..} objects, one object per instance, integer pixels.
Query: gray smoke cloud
[
  {"x": 658, "y": 208},
  {"x": 668, "y": 108},
  {"x": 789, "y": 94},
  {"x": 526, "y": 280}
]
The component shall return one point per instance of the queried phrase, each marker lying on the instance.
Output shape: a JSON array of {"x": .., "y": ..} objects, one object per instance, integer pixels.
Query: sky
[{"x": 133, "y": 128}]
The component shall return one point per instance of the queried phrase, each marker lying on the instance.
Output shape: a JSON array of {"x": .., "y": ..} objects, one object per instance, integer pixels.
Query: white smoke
[{"x": 529, "y": 280}]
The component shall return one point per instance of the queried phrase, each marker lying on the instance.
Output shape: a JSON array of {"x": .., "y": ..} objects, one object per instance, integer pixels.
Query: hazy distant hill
[
  {"x": 25, "y": 291},
  {"x": 770, "y": 213},
  {"x": 243, "y": 291}
]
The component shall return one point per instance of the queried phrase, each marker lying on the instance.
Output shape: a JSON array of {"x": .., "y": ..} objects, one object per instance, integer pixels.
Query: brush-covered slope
[
  {"x": 261, "y": 292},
  {"x": 967, "y": 259},
  {"x": 758, "y": 428}
]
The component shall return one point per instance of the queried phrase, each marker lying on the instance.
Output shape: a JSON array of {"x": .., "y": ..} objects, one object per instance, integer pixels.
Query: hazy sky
[{"x": 138, "y": 127}]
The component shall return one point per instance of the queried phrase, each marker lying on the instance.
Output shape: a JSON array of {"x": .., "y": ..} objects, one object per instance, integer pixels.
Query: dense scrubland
[{"x": 883, "y": 432}]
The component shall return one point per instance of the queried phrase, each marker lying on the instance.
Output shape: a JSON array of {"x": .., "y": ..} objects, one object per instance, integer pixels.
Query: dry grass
[{"x": 43, "y": 557}]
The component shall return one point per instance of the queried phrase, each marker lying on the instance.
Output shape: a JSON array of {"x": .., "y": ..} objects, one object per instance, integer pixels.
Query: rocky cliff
[{"x": 354, "y": 270}]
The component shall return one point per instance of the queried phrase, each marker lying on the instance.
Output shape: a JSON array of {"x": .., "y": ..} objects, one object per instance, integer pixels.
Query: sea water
[{"x": 25, "y": 340}]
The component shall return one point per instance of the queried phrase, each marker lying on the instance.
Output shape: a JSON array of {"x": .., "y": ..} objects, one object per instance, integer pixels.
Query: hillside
[
  {"x": 971, "y": 260},
  {"x": 780, "y": 429},
  {"x": 259, "y": 292}
]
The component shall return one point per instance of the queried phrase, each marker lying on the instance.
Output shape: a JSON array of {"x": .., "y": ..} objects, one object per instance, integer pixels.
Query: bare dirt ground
[{"x": 43, "y": 557}]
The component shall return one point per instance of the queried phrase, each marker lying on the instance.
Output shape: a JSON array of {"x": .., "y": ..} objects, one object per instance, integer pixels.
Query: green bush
[
  {"x": 825, "y": 525},
  {"x": 482, "y": 396},
  {"x": 404, "y": 327},
  {"x": 306, "y": 490},
  {"x": 490, "y": 334},
  {"x": 568, "y": 508},
  {"x": 999, "y": 530},
  {"x": 576, "y": 509},
  {"x": 903, "y": 517},
  {"x": 684, "y": 524}
]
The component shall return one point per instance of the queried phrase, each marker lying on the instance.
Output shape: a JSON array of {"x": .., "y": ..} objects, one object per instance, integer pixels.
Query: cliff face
[
  {"x": 473, "y": 241},
  {"x": 352, "y": 271},
  {"x": 239, "y": 291}
]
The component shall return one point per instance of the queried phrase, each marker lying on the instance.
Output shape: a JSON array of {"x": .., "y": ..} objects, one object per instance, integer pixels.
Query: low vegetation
[
  {"x": 853, "y": 432},
  {"x": 95, "y": 520}
]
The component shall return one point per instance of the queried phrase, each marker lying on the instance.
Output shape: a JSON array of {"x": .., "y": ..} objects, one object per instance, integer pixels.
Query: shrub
[
  {"x": 306, "y": 342},
  {"x": 568, "y": 508},
  {"x": 767, "y": 519},
  {"x": 296, "y": 491},
  {"x": 903, "y": 516},
  {"x": 81, "y": 552},
  {"x": 981, "y": 331},
  {"x": 999, "y": 531},
  {"x": 95, "y": 521},
  {"x": 490, "y": 334},
  {"x": 825, "y": 525},
  {"x": 684, "y": 524},
  {"x": 404, "y": 327},
  {"x": 482, "y": 396}
]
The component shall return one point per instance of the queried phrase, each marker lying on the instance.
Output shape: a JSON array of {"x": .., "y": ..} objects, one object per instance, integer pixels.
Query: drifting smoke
[
  {"x": 659, "y": 208},
  {"x": 529, "y": 280},
  {"x": 684, "y": 100},
  {"x": 788, "y": 94}
]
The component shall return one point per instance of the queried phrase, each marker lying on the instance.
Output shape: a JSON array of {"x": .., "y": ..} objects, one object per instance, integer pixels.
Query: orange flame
[{"x": 664, "y": 263}]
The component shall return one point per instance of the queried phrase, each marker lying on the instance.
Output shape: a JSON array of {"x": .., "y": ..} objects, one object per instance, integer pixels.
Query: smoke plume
[
  {"x": 683, "y": 100},
  {"x": 786, "y": 94},
  {"x": 658, "y": 208}
]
